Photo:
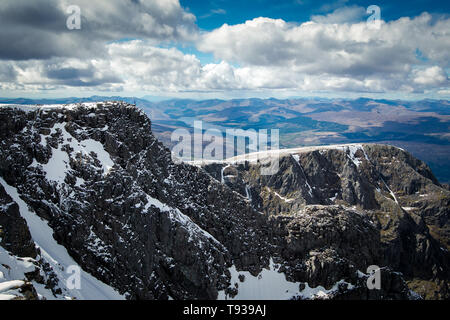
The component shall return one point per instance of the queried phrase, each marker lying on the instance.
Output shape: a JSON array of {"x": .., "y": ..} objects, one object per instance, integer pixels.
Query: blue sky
[
  {"x": 225, "y": 49},
  {"x": 213, "y": 14}
]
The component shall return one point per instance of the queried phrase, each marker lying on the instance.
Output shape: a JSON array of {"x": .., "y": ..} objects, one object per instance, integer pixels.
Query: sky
[{"x": 225, "y": 48}]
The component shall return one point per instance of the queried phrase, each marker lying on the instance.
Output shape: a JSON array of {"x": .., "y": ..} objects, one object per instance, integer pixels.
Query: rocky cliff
[
  {"x": 88, "y": 186},
  {"x": 406, "y": 207}
]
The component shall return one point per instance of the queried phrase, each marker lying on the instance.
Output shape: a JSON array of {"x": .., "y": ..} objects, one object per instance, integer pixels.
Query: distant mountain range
[{"x": 421, "y": 127}]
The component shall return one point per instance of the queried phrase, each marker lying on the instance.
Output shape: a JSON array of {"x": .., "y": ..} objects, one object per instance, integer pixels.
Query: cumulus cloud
[
  {"x": 37, "y": 29},
  {"x": 326, "y": 54},
  {"x": 265, "y": 41},
  {"x": 340, "y": 56},
  {"x": 59, "y": 73},
  {"x": 431, "y": 76}
]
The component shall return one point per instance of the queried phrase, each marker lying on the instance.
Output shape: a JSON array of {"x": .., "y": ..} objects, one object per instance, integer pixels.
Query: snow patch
[
  {"x": 320, "y": 292},
  {"x": 268, "y": 285},
  {"x": 283, "y": 198},
  {"x": 58, "y": 165}
]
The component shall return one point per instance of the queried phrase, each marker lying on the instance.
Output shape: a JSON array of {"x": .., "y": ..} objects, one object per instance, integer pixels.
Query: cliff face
[
  {"x": 407, "y": 207},
  {"x": 89, "y": 186}
]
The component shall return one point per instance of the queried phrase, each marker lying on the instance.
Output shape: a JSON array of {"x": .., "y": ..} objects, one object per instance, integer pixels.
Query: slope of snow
[
  {"x": 257, "y": 156},
  {"x": 90, "y": 145},
  {"x": 268, "y": 285},
  {"x": 7, "y": 286},
  {"x": 57, "y": 256},
  {"x": 59, "y": 164},
  {"x": 390, "y": 191},
  {"x": 9, "y": 290},
  {"x": 10, "y": 285},
  {"x": 12, "y": 272},
  {"x": 280, "y": 196},
  {"x": 272, "y": 285},
  {"x": 353, "y": 149},
  {"x": 17, "y": 267}
]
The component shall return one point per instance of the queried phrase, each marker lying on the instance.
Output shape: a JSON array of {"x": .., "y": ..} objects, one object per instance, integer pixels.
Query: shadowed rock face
[
  {"x": 146, "y": 226},
  {"x": 407, "y": 206},
  {"x": 14, "y": 234},
  {"x": 154, "y": 229}
]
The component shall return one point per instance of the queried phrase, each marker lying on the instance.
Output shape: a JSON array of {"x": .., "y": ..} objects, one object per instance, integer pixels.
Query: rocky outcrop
[
  {"x": 19, "y": 256},
  {"x": 407, "y": 206},
  {"x": 154, "y": 229},
  {"x": 122, "y": 209},
  {"x": 14, "y": 234}
]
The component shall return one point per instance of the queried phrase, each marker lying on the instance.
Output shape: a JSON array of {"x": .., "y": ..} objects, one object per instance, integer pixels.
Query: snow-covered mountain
[{"x": 88, "y": 187}]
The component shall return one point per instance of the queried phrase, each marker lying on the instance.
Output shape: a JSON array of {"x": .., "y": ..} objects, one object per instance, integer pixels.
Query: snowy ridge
[
  {"x": 255, "y": 156},
  {"x": 267, "y": 154},
  {"x": 34, "y": 107}
]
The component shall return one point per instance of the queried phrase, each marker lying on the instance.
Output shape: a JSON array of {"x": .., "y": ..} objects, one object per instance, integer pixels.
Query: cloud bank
[{"x": 136, "y": 46}]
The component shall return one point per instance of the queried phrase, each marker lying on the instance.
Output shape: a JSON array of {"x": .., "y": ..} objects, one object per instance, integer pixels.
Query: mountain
[
  {"x": 421, "y": 127},
  {"x": 398, "y": 192},
  {"x": 88, "y": 187}
]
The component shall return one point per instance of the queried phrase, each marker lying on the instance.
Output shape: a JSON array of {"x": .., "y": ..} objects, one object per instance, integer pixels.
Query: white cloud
[
  {"x": 37, "y": 29},
  {"x": 430, "y": 76},
  {"x": 265, "y": 41},
  {"x": 351, "y": 14},
  {"x": 260, "y": 54},
  {"x": 337, "y": 56}
]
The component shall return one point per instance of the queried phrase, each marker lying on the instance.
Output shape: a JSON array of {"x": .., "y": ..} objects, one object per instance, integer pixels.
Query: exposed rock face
[
  {"x": 144, "y": 226},
  {"x": 18, "y": 254},
  {"x": 153, "y": 229},
  {"x": 407, "y": 206},
  {"x": 14, "y": 234}
]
